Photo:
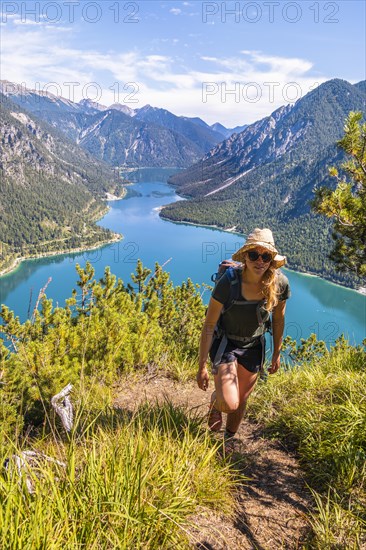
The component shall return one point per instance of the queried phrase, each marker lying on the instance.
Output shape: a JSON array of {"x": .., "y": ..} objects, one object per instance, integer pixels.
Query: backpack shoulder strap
[{"x": 233, "y": 275}]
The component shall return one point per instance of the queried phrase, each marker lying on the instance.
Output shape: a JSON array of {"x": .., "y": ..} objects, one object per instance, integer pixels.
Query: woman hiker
[{"x": 233, "y": 333}]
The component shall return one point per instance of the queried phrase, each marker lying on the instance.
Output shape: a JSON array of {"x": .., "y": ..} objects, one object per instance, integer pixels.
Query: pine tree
[{"x": 346, "y": 205}]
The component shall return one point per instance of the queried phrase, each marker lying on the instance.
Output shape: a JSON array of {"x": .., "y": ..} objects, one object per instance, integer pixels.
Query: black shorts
[{"x": 251, "y": 359}]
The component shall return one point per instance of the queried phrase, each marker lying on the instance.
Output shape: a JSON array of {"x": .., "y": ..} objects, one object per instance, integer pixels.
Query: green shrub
[{"x": 105, "y": 329}]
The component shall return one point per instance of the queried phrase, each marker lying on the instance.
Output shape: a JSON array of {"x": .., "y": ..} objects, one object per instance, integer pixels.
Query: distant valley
[{"x": 59, "y": 160}]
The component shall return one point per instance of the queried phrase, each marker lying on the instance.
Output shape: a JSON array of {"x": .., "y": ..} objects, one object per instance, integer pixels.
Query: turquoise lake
[{"x": 316, "y": 306}]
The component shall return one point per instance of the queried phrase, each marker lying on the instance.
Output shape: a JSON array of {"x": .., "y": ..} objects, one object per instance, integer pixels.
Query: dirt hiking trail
[{"x": 271, "y": 504}]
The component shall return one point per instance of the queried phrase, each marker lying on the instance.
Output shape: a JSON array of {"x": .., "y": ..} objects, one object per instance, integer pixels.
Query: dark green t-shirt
[{"x": 245, "y": 319}]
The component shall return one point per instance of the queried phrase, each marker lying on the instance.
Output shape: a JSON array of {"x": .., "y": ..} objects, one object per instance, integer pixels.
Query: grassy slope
[
  {"x": 320, "y": 410},
  {"x": 132, "y": 484}
]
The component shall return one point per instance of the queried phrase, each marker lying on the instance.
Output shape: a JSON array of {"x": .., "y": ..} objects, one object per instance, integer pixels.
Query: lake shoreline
[
  {"x": 150, "y": 238},
  {"x": 52, "y": 253},
  {"x": 109, "y": 197},
  {"x": 228, "y": 230},
  {"x": 17, "y": 262}
]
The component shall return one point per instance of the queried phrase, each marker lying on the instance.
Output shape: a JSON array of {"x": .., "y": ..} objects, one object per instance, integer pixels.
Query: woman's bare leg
[
  {"x": 226, "y": 397},
  {"x": 246, "y": 383}
]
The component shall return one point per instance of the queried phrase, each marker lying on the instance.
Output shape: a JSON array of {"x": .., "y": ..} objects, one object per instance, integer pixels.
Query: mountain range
[
  {"x": 57, "y": 158},
  {"x": 122, "y": 136}
]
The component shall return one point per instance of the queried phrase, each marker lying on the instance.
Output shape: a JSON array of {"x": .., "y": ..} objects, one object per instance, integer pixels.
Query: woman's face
[{"x": 258, "y": 266}]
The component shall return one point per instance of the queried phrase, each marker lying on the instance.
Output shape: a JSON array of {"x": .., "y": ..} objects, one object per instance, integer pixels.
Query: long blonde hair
[{"x": 270, "y": 288}]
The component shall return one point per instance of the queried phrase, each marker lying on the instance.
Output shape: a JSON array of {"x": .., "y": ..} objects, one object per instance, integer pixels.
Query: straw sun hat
[{"x": 263, "y": 238}]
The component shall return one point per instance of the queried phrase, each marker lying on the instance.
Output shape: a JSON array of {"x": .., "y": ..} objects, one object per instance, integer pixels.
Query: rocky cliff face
[
  {"x": 24, "y": 146},
  {"x": 29, "y": 144}
]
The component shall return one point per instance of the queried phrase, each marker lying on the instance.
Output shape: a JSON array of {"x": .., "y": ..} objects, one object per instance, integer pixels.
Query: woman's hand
[
  {"x": 276, "y": 361},
  {"x": 202, "y": 378}
]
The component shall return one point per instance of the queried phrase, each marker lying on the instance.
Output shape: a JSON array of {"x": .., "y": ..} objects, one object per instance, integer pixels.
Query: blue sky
[{"x": 232, "y": 61}]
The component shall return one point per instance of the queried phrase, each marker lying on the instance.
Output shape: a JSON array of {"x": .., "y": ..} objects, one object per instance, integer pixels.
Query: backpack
[{"x": 232, "y": 270}]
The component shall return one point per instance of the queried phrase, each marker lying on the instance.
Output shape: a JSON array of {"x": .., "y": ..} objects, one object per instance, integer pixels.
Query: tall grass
[
  {"x": 320, "y": 410},
  {"x": 129, "y": 483}
]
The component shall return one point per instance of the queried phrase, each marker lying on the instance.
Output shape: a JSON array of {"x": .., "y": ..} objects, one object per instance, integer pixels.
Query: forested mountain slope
[{"x": 50, "y": 188}]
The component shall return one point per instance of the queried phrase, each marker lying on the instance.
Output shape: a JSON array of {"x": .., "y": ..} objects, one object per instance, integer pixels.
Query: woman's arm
[
  {"x": 212, "y": 316},
  {"x": 278, "y": 325}
]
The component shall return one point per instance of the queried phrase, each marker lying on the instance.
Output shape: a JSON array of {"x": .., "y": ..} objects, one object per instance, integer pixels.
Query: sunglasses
[{"x": 253, "y": 256}]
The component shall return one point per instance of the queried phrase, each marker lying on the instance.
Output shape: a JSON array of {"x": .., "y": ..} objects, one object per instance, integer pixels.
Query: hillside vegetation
[
  {"x": 319, "y": 409},
  {"x": 129, "y": 482},
  {"x": 105, "y": 330},
  {"x": 135, "y": 481}
]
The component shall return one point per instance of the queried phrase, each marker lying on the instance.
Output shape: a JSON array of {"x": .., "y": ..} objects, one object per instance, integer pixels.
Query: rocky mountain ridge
[{"x": 314, "y": 123}]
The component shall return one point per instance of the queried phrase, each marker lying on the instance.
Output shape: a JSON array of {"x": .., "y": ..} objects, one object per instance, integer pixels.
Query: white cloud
[
  {"x": 288, "y": 65},
  {"x": 233, "y": 90},
  {"x": 27, "y": 22},
  {"x": 175, "y": 11}
]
